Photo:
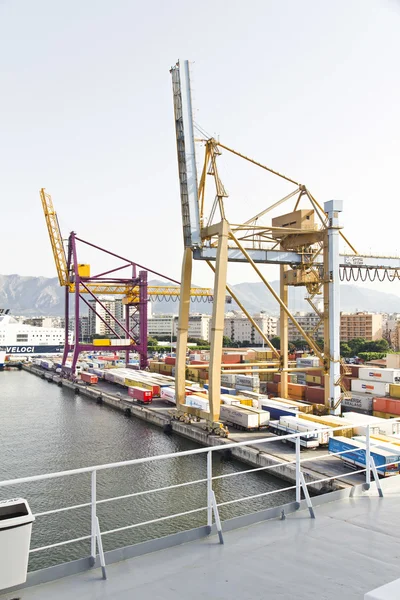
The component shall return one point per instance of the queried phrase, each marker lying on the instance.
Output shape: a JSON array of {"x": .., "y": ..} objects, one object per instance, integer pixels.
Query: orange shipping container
[
  {"x": 386, "y": 405},
  {"x": 231, "y": 359}
]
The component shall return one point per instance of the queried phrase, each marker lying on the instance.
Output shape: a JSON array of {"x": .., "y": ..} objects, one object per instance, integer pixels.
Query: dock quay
[{"x": 276, "y": 455}]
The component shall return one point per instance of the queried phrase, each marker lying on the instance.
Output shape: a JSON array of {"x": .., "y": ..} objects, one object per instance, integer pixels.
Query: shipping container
[
  {"x": 120, "y": 342},
  {"x": 321, "y": 432},
  {"x": 227, "y": 379},
  {"x": 244, "y": 418},
  {"x": 277, "y": 409},
  {"x": 250, "y": 381},
  {"x": 231, "y": 359},
  {"x": 376, "y": 388},
  {"x": 196, "y": 401},
  {"x": 101, "y": 342},
  {"x": 168, "y": 393},
  {"x": 376, "y": 425},
  {"x": 310, "y": 361},
  {"x": 382, "y": 375},
  {"x": 314, "y": 379},
  {"x": 140, "y": 394},
  {"x": 358, "y": 402},
  {"x": 387, "y": 405},
  {"x": 343, "y": 427},
  {"x": 394, "y": 390},
  {"x": 356, "y": 455},
  {"x": 302, "y": 406},
  {"x": 89, "y": 378},
  {"x": 315, "y": 395}
]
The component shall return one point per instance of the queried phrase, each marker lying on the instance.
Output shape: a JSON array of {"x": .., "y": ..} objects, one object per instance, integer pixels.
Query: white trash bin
[{"x": 15, "y": 537}]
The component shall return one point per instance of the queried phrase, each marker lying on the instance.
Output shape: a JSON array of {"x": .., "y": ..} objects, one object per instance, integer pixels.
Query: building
[
  {"x": 167, "y": 325},
  {"x": 161, "y": 325},
  {"x": 368, "y": 326},
  {"x": 97, "y": 323},
  {"x": 391, "y": 330},
  {"x": 238, "y": 328},
  {"x": 309, "y": 321}
]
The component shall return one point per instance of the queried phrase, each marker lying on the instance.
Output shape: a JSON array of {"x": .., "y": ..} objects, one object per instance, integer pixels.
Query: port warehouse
[{"x": 248, "y": 402}]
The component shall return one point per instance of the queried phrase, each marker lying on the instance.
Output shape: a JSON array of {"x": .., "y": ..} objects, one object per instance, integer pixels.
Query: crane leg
[
  {"x": 183, "y": 326},
  {"x": 217, "y": 322}
]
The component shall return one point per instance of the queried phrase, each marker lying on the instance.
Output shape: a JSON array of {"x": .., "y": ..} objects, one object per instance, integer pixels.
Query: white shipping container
[
  {"x": 385, "y": 375},
  {"x": 376, "y": 425},
  {"x": 168, "y": 393},
  {"x": 310, "y": 361},
  {"x": 301, "y": 425},
  {"x": 376, "y": 388},
  {"x": 228, "y": 380},
  {"x": 360, "y": 401},
  {"x": 248, "y": 380},
  {"x": 197, "y": 402},
  {"x": 243, "y": 417}
]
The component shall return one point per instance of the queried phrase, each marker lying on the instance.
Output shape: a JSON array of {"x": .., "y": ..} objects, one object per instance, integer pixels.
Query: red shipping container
[
  {"x": 197, "y": 362},
  {"x": 140, "y": 394},
  {"x": 89, "y": 378},
  {"x": 316, "y": 395},
  {"x": 277, "y": 377},
  {"x": 170, "y": 360},
  {"x": 387, "y": 405}
]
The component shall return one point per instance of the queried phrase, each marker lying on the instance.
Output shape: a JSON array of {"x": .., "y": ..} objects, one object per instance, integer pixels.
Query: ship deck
[{"x": 350, "y": 548}]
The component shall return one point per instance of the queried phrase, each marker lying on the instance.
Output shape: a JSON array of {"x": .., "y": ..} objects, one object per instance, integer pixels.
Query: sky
[{"x": 310, "y": 88}]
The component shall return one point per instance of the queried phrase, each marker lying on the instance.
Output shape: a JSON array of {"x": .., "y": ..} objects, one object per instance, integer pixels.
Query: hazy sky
[{"x": 309, "y": 87}]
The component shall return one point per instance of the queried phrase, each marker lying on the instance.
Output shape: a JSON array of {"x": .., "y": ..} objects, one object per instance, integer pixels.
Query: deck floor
[{"x": 350, "y": 548}]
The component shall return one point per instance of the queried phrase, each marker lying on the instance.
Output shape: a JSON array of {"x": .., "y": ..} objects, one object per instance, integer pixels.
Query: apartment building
[
  {"x": 238, "y": 328},
  {"x": 361, "y": 325}
]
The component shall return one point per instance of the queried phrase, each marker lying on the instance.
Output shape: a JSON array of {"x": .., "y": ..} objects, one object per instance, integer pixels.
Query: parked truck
[
  {"x": 89, "y": 378},
  {"x": 140, "y": 394}
]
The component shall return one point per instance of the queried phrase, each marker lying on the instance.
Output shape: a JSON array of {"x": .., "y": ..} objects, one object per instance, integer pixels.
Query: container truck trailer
[{"x": 386, "y": 462}]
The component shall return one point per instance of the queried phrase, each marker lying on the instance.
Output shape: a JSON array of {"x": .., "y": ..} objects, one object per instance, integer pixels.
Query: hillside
[{"x": 43, "y": 296}]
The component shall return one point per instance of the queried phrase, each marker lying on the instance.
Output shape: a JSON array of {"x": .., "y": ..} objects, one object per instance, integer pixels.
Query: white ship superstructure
[{"x": 19, "y": 338}]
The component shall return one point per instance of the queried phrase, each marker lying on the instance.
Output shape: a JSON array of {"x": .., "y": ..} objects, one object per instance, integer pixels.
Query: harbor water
[{"x": 45, "y": 429}]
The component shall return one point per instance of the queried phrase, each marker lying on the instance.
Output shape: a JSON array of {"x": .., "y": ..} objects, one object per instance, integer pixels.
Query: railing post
[
  {"x": 209, "y": 489},
  {"x": 93, "y": 519},
  {"x": 368, "y": 459},
  {"x": 298, "y": 482}
]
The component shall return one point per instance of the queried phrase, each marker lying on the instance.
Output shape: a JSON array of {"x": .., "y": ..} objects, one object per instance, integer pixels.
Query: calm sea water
[{"x": 45, "y": 429}]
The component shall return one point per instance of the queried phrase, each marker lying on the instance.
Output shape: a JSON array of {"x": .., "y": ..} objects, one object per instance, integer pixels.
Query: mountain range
[{"x": 42, "y": 296}]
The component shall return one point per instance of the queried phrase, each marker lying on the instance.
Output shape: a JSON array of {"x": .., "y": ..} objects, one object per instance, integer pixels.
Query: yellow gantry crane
[{"x": 77, "y": 279}]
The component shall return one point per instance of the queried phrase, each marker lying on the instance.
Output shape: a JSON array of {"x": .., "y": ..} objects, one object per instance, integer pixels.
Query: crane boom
[
  {"x": 56, "y": 241},
  {"x": 131, "y": 293}
]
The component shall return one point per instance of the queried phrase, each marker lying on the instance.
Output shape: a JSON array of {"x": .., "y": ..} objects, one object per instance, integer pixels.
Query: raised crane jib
[
  {"x": 55, "y": 237},
  {"x": 186, "y": 154}
]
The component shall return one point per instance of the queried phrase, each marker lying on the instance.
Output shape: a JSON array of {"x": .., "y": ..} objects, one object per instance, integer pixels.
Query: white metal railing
[{"x": 211, "y": 507}]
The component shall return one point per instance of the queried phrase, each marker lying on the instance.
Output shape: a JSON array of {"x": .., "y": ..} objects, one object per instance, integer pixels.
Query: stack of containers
[{"x": 372, "y": 390}]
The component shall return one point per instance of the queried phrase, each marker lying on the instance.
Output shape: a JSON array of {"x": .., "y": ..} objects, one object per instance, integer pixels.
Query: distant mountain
[{"x": 38, "y": 296}]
